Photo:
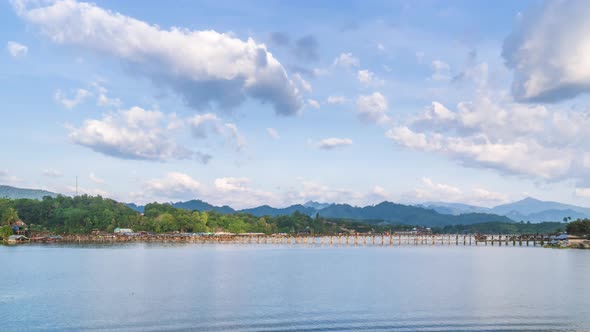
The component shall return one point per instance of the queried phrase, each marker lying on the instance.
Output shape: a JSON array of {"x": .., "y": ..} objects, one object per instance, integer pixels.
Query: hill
[
  {"x": 388, "y": 212},
  {"x": 528, "y": 209},
  {"x": 16, "y": 193}
]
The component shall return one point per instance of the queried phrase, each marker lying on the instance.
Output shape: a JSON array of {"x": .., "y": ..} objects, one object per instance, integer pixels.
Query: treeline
[
  {"x": 579, "y": 227},
  {"x": 505, "y": 228},
  {"x": 83, "y": 214}
]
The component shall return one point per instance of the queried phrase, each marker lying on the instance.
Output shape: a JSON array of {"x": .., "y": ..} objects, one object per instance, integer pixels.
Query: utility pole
[{"x": 76, "y": 185}]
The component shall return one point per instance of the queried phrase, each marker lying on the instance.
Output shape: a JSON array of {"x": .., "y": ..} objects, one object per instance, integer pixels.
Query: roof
[
  {"x": 19, "y": 223},
  {"x": 16, "y": 237}
]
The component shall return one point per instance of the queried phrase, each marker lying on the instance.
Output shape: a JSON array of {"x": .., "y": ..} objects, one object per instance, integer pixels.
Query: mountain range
[
  {"x": 15, "y": 193},
  {"x": 528, "y": 209},
  {"x": 427, "y": 214}
]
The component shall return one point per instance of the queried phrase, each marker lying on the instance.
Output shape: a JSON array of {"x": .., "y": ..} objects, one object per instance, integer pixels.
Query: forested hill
[
  {"x": 385, "y": 212},
  {"x": 392, "y": 213},
  {"x": 13, "y": 193},
  {"x": 82, "y": 214}
]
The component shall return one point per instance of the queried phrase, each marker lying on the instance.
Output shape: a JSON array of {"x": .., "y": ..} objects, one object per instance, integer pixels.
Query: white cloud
[
  {"x": 174, "y": 185},
  {"x": 17, "y": 50},
  {"x": 512, "y": 138},
  {"x": 547, "y": 51},
  {"x": 52, "y": 173},
  {"x": 367, "y": 77},
  {"x": 441, "y": 71},
  {"x": 582, "y": 192},
  {"x": 273, "y": 133},
  {"x": 346, "y": 60},
  {"x": 431, "y": 191},
  {"x": 372, "y": 108},
  {"x": 87, "y": 191},
  {"x": 336, "y": 100},
  {"x": 204, "y": 125},
  {"x": 302, "y": 83},
  {"x": 203, "y": 67},
  {"x": 69, "y": 103},
  {"x": 133, "y": 134},
  {"x": 96, "y": 179},
  {"x": 333, "y": 143},
  {"x": 103, "y": 99},
  {"x": 232, "y": 184},
  {"x": 313, "y": 103},
  {"x": 380, "y": 47}
]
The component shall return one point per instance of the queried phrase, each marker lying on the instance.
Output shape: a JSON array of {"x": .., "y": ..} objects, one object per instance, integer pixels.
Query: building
[
  {"x": 19, "y": 227},
  {"x": 123, "y": 230},
  {"x": 17, "y": 238}
]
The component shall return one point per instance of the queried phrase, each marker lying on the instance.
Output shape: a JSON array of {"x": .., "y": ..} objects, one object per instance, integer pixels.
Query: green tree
[
  {"x": 10, "y": 216},
  {"x": 5, "y": 232}
]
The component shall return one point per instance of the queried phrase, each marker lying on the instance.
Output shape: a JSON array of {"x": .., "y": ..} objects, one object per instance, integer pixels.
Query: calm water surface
[{"x": 146, "y": 287}]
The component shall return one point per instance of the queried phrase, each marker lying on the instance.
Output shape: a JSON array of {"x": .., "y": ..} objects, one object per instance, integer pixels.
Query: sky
[{"x": 281, "y": 102}]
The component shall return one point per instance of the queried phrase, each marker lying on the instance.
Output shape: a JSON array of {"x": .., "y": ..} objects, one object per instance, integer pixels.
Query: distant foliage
[
  {"x": 5, "y": 232},
  {"x": 579, "y": 227},
  {"x": 83, "y": 214},
  {"x": 505, "y": 228}
]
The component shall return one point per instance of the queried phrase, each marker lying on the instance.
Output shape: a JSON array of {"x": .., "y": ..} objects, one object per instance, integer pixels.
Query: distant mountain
[
  {"x": 16, "y": 193},
  {"x": 385, "y": 212},
  {"x": 266, "y": 210},
  {"x": 316, "y": 205},
  {"x": 406, "y": 214},
  {"x": 199, "y": 205},
  {"x": 138, "y": 208},
  {"x": 531, "y": 205},
  {"x": 528, "y": 209},
  {"x": 192, "y": 205}
]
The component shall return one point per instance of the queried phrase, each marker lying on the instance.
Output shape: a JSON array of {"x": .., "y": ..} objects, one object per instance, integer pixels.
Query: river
[{"x": 225, "y": 287}]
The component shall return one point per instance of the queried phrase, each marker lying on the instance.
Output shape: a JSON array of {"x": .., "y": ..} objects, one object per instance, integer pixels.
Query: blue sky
[{"x": 280, "y": 102}]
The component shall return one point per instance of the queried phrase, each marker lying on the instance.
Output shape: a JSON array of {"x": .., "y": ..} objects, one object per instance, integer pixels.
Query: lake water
[{"x": 148, "y": 287}]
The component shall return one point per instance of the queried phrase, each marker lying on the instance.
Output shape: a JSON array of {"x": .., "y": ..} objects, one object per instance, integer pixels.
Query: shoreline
[{"x": 348, "y": 239}]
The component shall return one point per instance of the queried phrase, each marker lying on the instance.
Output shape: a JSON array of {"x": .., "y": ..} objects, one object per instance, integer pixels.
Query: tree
[
  {"x": 10, "y": 216},
  {"x": 5, "y": 232}
]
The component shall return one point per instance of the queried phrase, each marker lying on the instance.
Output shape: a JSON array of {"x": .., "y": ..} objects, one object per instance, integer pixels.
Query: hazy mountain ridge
[
  {"x": 527, "y": 209},
  {"x": 16, "y": 193},
  {"x": 429, "y": 213}
]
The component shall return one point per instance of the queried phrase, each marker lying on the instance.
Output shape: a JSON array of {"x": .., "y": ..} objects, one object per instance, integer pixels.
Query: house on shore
[
  {"x": 19, "y": 227},
  {"x": 123, "y": 230},
  {"x": 17, "y": 238}
]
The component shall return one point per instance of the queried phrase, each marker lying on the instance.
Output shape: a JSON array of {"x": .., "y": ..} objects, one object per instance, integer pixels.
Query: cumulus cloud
[
  {"x": 52, "y": 173},
  {"x": 204, "y": 125},
  {"x": 232, "y": 184},
  {"x": 333, "y": 143},
  {"x": 582, "y": 192},
  {"x": 103, "y": 99},
  {"x": 441, "y": 71},
  {"x": 69, "y": 103},
  {"x": 431, "y": 191},
  {"x": 313, "y": 103},
  {"x": 302, "y": 83},
  {"x": 273, "y": 133},
  {"x": 174, "y": 185},
  {"x": 95, "y": 178},
  {"x": 204, "y": 67},
  {"x": 367, "y": 77},
  {"x": 512, "y": 138},
  {"x": 335, "y": 100},
  {"x": 372, "y": 108},
  {"x": 133, "y": 134},
  {"x": 346, "y": 60},
  {"x": 547, "y": 50},
  {"x": 16, "y": 50}
]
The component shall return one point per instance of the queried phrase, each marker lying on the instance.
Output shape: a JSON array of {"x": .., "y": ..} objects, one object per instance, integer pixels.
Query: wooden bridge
[{"x": 333, "y": 240}]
